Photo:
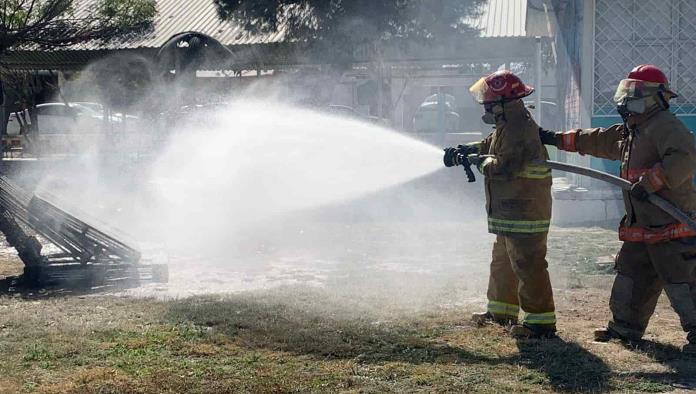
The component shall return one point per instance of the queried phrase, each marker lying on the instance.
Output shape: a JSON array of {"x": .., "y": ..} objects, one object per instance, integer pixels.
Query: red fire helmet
[
  {"x": 500, "y": 86},
  {"x": 653, "y": 75}
]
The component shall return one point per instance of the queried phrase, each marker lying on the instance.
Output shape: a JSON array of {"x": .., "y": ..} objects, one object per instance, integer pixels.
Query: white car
[
  {"x": 99, "y": 109},
  {"x": 345, "y": 111},
  {"x": 61, "y": 129},
  {"x": 96, "y": 107},
  {"x": 57, "y": 118},
  {"x": 427, "y": 117},
  {"x": 14, "y": 123}
]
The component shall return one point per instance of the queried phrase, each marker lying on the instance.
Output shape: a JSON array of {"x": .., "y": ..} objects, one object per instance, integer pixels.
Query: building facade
[{"x": 624, "y": 33}]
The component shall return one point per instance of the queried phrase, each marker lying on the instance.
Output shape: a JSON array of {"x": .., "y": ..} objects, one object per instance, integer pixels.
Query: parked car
[
  {"x": 550, "y": 115},
  {"x": 96, "y": 107},
  {"x": 12, "y": 141},
  {"x": 99, "y": 109},
  {"x": 189, "y": 115},
  {"x": 351, "y": 113},
  {"x": 427, "y": 117},
  {"x": 58, "y": 118},
  {"x": 61, "y": 129},
  {"x": 344, "y": 111},
  {"x": 14, "y": 123}
]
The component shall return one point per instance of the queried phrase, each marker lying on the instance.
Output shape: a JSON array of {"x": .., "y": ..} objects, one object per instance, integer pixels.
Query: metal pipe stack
[{"x": 77, "y": 239}]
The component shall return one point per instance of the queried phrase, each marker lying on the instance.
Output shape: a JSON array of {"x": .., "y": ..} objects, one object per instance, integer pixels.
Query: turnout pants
[
  {"x": 519, "y": 277},
  {"x": 643, "y": 271}
]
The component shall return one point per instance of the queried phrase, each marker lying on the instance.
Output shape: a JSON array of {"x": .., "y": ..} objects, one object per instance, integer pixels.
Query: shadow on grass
[
  {"x": 568, "y": 366},
  {"x": 311, "y": 330},
  {"x": 316, "y": 329},
  {"x": 683, "y": 367},
  {"x": 20, "y": 286}
]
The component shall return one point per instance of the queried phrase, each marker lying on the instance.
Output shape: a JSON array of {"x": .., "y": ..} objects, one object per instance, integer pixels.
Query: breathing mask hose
[
  {"x": 492, "y": 113},
  {"x": 623, "y": 111}
]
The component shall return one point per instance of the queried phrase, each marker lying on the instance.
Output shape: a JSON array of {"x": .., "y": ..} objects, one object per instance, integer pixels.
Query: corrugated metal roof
[
  {"x": 58, "y": 60},
  {"x": 501, "y": 18},
  {"x": 497, "y": 18},
  {"x": 176, "y": 16}
]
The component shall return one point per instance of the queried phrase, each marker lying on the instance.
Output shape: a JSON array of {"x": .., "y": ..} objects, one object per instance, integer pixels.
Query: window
[
  {"x": 632, "y": 32},
  {"x": 51, "y": 110}
]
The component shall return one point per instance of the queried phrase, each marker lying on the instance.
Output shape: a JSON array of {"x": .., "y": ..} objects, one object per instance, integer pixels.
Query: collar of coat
[
  {"x": 513, "y": 111},
  {"x": 637, "y": 120}
]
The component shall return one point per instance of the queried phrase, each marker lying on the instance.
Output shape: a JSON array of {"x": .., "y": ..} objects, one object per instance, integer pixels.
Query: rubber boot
[
  {"x": 690, "y": 348},
  {"x": 607, "y": 334},
  {"x": 484, "y": 318},
  {"x": 604, "y": 335},
  {"x": 533, "y": 331}
]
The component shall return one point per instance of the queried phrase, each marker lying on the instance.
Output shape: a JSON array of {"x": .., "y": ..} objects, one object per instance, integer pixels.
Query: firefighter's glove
[
  {"x": 547, "y": 137},
  {"x": 454, "y": 156},
  {"x": 639, "y": 192},
  {"x": 467, "y": 150},
  {"x": 475, "y": 160}
]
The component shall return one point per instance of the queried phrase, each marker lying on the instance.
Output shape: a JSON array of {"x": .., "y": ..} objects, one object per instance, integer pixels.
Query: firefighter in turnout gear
[
  {"x": 518, "y": 203},
  {"x": 657, "y": 154}
]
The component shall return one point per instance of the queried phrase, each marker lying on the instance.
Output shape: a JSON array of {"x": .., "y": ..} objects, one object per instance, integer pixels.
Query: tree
[
  {"x": 341, "y": 32},
  {"x": 344, "y": 24},
  {"x": 55, "y": 23},
  {"x": 46, "y": 24}
]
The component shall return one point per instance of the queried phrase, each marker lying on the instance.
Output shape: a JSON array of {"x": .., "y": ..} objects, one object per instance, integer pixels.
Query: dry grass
[
  {"x": 10, "y": 264},
  {"x": 299, "y": 339},
  {"x": 295, "y": 340}
]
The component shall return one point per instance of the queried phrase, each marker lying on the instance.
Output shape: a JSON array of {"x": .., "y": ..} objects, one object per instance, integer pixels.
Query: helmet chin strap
[{"x": 662, "y": 101}]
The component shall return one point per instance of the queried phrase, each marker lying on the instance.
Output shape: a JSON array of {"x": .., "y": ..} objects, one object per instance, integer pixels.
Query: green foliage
[
  {"x": 340, "y": 22},
  {"x": 36, "y": 352},
  {"x": 122, "y": 80},
  {"x": 128, "y": 12},
  {"x": 51, "y": 23}
]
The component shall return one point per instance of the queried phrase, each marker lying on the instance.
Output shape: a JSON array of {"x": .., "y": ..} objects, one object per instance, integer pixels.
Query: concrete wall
[{"x": 575, "y": 206}]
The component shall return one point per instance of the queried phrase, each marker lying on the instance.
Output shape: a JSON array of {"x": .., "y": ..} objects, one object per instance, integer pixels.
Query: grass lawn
[
  {"x": 293, "y": 340},
  {"x": 300, "y": 338}
]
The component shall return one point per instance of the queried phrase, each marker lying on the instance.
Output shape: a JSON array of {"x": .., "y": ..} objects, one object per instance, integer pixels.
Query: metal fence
[{"x": 632, "y": 32}]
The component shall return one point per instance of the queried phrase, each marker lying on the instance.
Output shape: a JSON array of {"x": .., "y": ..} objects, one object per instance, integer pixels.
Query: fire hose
[
  {"x": 625, "y": 185},
  {"x": 653, "y": 198}
]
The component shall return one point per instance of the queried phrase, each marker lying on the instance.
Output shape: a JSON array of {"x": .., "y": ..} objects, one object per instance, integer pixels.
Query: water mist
[
  {"x": 254, "y": 160},
  {"x": 258, "y": 194}
]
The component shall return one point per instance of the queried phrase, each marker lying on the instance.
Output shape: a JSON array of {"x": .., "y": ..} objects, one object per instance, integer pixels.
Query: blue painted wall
[{"x": 613, "y": 166}]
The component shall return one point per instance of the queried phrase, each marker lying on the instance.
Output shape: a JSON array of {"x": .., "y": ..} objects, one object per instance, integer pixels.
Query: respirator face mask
[
  {"x": 492, "y": 110},
  {"x": 634, "y": 97},
  {"x": 631, "y": 106}
]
